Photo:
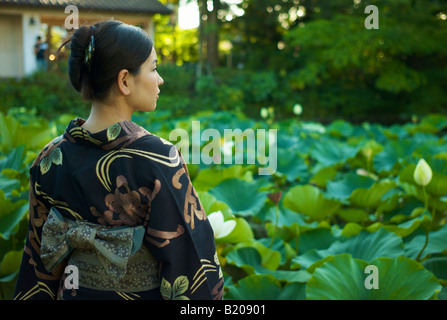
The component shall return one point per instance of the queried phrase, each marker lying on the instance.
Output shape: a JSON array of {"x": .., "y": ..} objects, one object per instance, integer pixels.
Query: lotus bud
[{"x": 422, "y": 174}]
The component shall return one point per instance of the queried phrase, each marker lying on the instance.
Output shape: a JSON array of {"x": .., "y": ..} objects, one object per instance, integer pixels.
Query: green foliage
[
  {"x": 225, "y": 90},
  {"x": 47, "y": 93},
  {"x": 342, "y": 277},
  {"x": 387, "y": 70},
  {"x": 305, "y": 233},
  {"x": 333, "y": 66}
]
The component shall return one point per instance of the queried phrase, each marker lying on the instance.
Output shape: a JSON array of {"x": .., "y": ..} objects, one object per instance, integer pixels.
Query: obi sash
[{"x": 106, "y": 258}]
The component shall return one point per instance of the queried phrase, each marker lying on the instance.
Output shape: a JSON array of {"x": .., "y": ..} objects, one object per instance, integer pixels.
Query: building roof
[{"x": 134, "y": 6}]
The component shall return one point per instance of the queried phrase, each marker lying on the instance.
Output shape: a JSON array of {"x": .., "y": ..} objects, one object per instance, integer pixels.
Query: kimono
[{"x": 118, "y": 207}]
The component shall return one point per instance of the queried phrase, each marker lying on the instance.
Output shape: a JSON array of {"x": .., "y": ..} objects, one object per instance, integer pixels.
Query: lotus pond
[{"x": 342, "y": 217}]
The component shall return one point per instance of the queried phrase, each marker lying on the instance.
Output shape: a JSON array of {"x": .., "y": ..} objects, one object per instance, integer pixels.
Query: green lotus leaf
[
  {"x": 208, "y": 178},
  {"x": 340, "y": 128},
  {"x": 438, "y": 266},
  {"x": 371, "y": 197},
  {"x": 310, "y": 201},
  {"x": 359, "y": 190},
  {"x": 402, "y": 278},
  {"x": 353, "y": 214},
  {"x": 340, "y": 277},
  {"x": 291, "y": 165},
  {"x": 438, "y": 183},
  {"x": 265, "y": 287},
  {"x": 310, "y": 258},
  {"x": 10, "y": 215},
  {"x": 342, "y": 189},
  {"x": 249, "y": 259},
  {"x": 286, "y": 141},
  {"x": 351, "y": 229},
  {"x": 364, "y": 245},
  {"x": 367, "y": 246},
  {"x": 329, "y": 152},
  {"x": 34, "y": 135},
  {"x": 10, "y": 265},
  {"x": 318, "y": 238},
  {"x": 436, "y": 243},
  {"x": 406, "y": 228},
  {"x": 274, "y": 243},
  {"x": 244, "y": 198},
  {"x": 442, "y": 295},
  {"x": 343, "y": 277},
  {"x": 431, "y": 123},
  {"x": 9, "y": 186},
  {"x": 14, "y": 159},
  {"x": 270, "y": 258},
  {"x": 282, "y": 216},
  {"x": 241, "y": 233},
  {"x": 322, "y": 177},
  {"x": 394, "y": 152},
  {"x": 210, "y": 204}
]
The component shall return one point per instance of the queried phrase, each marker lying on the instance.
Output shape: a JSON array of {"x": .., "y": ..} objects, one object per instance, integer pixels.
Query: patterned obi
[{"x": 106, "y": 258}]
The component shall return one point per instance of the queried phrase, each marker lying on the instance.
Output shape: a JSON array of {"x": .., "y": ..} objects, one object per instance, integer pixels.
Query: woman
[{"x": 109, "y": 200}]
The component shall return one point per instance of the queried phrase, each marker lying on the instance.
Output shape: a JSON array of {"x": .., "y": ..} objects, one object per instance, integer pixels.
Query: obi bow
[{"x": 112, "y": 246}]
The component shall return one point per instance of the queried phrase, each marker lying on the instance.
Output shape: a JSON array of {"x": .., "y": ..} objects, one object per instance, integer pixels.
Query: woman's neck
[{"x": 104, "y": 115}]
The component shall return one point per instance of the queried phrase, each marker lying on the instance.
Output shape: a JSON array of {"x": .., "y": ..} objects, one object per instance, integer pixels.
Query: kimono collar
[{"x": 116, "y": 136}]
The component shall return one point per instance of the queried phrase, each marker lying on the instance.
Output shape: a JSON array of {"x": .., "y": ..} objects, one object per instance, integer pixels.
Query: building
[{"x": 21, "y": 22}]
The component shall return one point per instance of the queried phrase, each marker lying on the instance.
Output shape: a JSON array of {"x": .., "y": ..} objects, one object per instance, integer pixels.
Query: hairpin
[{"x": 89, "y": 53}]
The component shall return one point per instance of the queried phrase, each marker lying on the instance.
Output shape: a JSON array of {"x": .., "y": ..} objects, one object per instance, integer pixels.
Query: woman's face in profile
[{"x": 146, "y": 89}]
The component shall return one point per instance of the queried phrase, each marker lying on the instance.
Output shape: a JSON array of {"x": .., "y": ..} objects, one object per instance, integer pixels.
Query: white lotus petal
[
  {"x": 220, "y": 227},
  {"x": 226, "y": 229}
]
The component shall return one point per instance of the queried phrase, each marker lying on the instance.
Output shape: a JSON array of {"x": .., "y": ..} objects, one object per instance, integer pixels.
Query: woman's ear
[{"x": 123, "y": 82}]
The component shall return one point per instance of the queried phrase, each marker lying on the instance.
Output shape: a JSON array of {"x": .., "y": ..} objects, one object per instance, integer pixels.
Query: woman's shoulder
[
  {"x": 154, "y": 143},
  {"x": 157, "y": 150}
]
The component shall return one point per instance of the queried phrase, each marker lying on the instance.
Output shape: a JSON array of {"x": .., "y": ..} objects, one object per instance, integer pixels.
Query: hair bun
[{"x": 78, "y": 46}]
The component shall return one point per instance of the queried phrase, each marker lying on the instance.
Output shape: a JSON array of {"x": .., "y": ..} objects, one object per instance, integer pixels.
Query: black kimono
[{"x": 118, "y": 208}]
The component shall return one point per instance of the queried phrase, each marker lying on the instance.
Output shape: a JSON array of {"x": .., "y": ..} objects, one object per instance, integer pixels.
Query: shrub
[{"x": 49, "y": 93}]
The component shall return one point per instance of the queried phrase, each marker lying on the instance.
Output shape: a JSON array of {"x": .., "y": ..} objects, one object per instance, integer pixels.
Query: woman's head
[{"x": 116, "y": 49}]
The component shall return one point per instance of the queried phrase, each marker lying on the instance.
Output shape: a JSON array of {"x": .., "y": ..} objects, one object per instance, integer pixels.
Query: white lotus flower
[
  {"x": 220, "y": 227},
  {"x": 422, "y": 174}
]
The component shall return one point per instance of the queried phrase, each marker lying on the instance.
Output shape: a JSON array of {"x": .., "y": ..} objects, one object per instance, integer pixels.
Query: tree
[
  {"x": 257, "y": 35},
  {"x": 209, "y": 30},
  {"x": 174, "y": 45},
  {"x": 400, "y": 68}
]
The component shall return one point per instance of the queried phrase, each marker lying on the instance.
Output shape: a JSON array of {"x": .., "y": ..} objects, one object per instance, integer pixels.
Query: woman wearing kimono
[{"x": 112, "y": 207}]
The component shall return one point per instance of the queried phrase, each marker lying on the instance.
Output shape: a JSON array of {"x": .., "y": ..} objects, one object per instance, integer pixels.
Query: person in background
[{"x": 39, "y": 50}]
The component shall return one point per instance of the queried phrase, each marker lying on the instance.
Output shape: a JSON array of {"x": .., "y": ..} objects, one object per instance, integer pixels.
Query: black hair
[{"x": 117, "y": 46}]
